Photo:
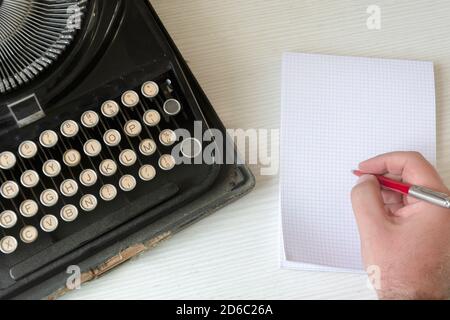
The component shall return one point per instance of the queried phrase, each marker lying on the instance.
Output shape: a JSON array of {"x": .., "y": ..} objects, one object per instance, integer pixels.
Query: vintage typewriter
[{"x": 102, "y": 130}]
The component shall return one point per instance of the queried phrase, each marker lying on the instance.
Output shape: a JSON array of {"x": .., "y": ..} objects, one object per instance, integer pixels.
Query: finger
[
  {"x": 393, "y": 208},
  {"x": 391, "y": 197}
]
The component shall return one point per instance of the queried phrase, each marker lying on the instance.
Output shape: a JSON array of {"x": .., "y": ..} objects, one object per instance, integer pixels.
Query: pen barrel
[{"x": 431, "y": 196}]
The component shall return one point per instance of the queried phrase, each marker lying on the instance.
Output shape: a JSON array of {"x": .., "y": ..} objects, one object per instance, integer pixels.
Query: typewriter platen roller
[{"x": 93, "y": 98}]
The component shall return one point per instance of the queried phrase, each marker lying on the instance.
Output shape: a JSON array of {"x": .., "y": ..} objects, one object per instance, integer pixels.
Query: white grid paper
[{"x": 336, "y": 112}]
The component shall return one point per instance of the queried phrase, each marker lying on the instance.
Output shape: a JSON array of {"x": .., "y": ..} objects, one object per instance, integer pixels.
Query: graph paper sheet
[{"x": 336, "y": 112}]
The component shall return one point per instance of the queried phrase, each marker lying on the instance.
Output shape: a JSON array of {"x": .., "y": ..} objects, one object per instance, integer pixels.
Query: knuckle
[{"x": 415, "y": 155}]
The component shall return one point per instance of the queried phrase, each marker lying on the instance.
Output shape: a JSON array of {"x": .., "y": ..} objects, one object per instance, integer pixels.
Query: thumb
[{"x": 368, "y": 205}]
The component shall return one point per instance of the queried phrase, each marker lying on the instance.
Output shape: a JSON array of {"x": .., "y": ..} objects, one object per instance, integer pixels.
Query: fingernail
[{"x": 363, "y": 178}]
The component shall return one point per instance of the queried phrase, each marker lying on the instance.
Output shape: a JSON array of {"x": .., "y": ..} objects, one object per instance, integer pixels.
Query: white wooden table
[{"x": 234, "y": 48}]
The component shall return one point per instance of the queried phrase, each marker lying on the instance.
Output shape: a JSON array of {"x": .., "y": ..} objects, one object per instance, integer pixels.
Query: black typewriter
[{"x": 102, "y": 141}]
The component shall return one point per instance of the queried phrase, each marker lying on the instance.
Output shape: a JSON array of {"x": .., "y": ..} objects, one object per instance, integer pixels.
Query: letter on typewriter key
[
  {"x": 8, "y": 244},
  {"x": 28, "y": 208},
  {"x": 49, "y": 223},
  {"x": 150, "y": 89},
  {"x": 128, "y": 157},
  {"x": 112, "y": 138},
  {"x": 69, "y": 187},
  {"x": 72, "y": 158},
  {"x": 9, "y": 190},
  {"x": 88, "y": 202},
  {"x": 88, "y": 177},
  {"x": 48, "y": 139},
  {"x": 69, "y": 129},
  {"x": 147, "y": 172},
  {"x": 130, "y": 99},
  {"x": 167, "y": 137},
  {"x": 127, "y": 183},
  {"x": 172, "y": 107},
  {"x": 110, "y": 109},
  {"x": 108, "y": 167},
  {"x": 28, "y": 234},
  {"x": 152, "y": 118},
  {"x": 51, "y": 168},
  {"x": 92, "y": 148},
  {"x": 132, "y": 128},
  {"x": 69, "y": 213},
  {"x": 166, "y": 162},
  {"x": 29, "y": 179},
  {"x": 8, "y": 219},
  {"x": 7, "y": 160},
  {"x": 147, "y": 147},
  {"x": 90, "y": 119},
  {"x": 108, "y": 192},
  {"x": 49, "y": 197},
  {"x": 28, "y": 149}
]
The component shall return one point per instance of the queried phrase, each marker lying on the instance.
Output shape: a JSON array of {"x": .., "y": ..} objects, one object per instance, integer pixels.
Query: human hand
[{"x": 407, "y": 239}]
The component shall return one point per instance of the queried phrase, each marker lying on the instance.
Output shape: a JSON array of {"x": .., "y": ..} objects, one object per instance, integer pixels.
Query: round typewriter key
[
  {"x": 110, "y": 109},
  {"x": 167, "y": 162},
  {"x": 128, "y": 157},
  {"x": 130, "y": 99},
  {"x": 90, "y": 119},
  {"x": 49, "y": 198},
  {"x": 49, "y": 223},
  {"x": 132, "y": 128},
  {"x": 28, "y": 234},
  {"x": 8, "y": 219},
  {"x": 28, "y": 149},
  {"x": 112, "y": 138},
  {"x": 147, "y": 172},
  {"x": 8, "y": 244},
  {"x": 72, "y": 158},
  {"x": 147, "y": 147},
  {"x": 191, "y": 147},
  {"x": 108, "y": 192},
  {"x": 7, "y": 160},
  {"x": 127, "y": 183},
  {"x": 150, "y": 89},
  {"x": 9, "y": 190},
  {"x": 29, "y": 179},
  {"x": 92, "y": 148},
  {"x": 88, "y": 202},
  {"x": 48, "y": 139},
  {"x": 28, "y": 208},
  {"x": 51, "y": 168},
  {"x": 88, "y": 177},
  {"x": 152, "y": 118},
  {"x": 69, "y": 129},
  {"x": 172, "y": 107},
  {"x": 108, "y": 167},
  {"x": 167, "y": 137},
  {"x": 69, "y": 213},
  {"x": 69, "y": 187}
]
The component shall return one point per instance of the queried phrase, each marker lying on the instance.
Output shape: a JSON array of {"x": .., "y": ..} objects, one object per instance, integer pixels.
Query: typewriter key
[
  {"x": 108, "y": 192},
  {"x": 29, "y": 179},
  {"x": 147, "y": 147},
  {"x": 166, "y": 162},
  {"x": 92, "y": 148},
  {"x": 90, "y": 119},
  {"x": 9, "y": 190},
  {"x": 8, "y": 244},
  {"x": 7, "y": 160},
  {"x": 48, "y": 139},
  {"x": 88, "y": 177},
  {"x": 110, "y": 109},
  {"x": 51, "y": 168},
  {"x": 108, "y": 167},
  {"x": 172, "y": 107},
  {"x": 132, "y": 128},
  {"x": 152, "y": 118},
  {"x": 8, "y": 219},
  {"x": 191, "y": 147},
  {"x": 127, "y": 183},
  {"x": 112, "y": 138},
  {"x": 28, "y": 208},
  {"x": 69, "y": 129},
  {"x": 28, "y": 149},
  {"x": 72, "y": 158},
  {"x": 49, "y": 197},
  {"x": 150, "y": 89},
  {"x": 167, "y": 137},
  {"x": 88, "y": 202},
  {"x": 69, "y": 187},
  {"x": 130, "y": 99},
  {"x": 147, "y": 172},
  {"x": 128, "y": 158},
  {"x": 49, "y": 223},
  {"x": 69, "y": 213},
  {"x": 28, "y": 234}
]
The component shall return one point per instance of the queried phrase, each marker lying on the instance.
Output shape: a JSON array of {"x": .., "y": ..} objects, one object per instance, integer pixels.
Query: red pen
[{"x": 418, "y": 192}]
